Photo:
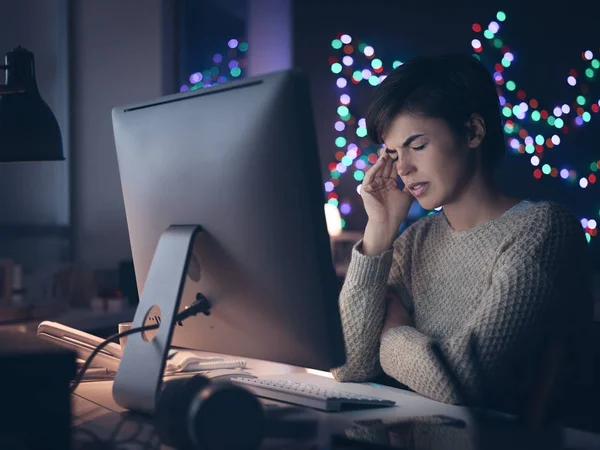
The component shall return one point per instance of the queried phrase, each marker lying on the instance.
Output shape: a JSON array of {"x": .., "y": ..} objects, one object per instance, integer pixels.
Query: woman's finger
[
  {"x": 375, "y": 169},
  {"x": 389, "y": 167}
]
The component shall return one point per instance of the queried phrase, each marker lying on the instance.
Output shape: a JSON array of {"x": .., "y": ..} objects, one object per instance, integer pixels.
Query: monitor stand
[{"x": 139, "y": 378}]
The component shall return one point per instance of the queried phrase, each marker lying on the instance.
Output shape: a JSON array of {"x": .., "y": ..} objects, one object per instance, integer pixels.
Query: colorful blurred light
[
  {"x": 518, "y": 110},
  {"x": 345, "y": 38}
]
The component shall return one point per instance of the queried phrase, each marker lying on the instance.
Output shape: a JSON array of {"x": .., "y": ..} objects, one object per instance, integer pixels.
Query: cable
[
  {"x": 98, "y": 349},
  {"x": 201, "y": 305}
]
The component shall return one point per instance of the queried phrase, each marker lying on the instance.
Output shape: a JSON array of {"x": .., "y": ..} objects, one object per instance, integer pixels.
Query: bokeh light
[{"x": 533, "y": 127}]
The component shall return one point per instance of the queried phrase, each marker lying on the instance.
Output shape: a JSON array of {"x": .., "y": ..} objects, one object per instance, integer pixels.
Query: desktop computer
[{"x": 229, "y": 179}]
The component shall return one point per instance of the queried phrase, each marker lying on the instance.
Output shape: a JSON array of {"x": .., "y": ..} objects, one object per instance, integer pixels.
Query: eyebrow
[
  {"x": 410, "y": 139},
  {"x": 407, "y": 142}
]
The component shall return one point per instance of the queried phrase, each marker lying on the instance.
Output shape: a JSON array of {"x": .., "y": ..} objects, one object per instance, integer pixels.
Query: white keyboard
[{"x": 309, "y": 395}]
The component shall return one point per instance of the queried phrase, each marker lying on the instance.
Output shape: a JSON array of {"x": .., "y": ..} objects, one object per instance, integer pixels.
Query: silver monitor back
[{"x": 240, "y": 160}]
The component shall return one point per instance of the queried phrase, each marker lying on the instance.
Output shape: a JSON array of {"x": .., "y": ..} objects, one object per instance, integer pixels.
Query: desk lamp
[
  {"x": 29, "y": 132},
  {"x": 28, "y": 129}
]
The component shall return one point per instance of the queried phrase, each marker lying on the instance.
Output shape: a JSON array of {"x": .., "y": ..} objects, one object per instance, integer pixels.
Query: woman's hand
[
  {"x": 385, "y": 203},
  {"x": 396, "y": 314}
]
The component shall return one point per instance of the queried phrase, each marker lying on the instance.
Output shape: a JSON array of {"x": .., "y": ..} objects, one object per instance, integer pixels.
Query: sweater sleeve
[
  {"x": 362, "y": 310},
  {"x": 519, "y": 305}
]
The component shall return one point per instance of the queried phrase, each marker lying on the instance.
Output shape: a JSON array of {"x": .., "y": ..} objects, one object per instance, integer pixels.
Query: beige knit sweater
[{"x": 483, "y": 302}]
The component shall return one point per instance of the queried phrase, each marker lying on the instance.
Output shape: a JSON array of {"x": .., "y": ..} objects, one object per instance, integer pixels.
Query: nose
[{"x": 404, "y": 165}]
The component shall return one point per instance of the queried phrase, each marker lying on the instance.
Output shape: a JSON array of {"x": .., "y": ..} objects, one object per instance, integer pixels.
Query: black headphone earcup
[
  {"x": 172, "y": 407},
  {"x": 226, "y": 417}
]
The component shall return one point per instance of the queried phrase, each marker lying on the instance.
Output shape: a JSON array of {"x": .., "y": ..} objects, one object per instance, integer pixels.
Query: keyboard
[{"x": 309, "y": 395}]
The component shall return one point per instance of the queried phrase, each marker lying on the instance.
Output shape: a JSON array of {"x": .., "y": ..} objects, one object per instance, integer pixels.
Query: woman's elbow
[
  {"x": 453, "y": 399},
  {"x": 448, "y": 397},
  {"x": 345, "y": 374}
]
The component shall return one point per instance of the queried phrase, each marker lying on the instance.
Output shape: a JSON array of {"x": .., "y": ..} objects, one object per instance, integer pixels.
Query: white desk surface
[{"x": 94, "y": 410}]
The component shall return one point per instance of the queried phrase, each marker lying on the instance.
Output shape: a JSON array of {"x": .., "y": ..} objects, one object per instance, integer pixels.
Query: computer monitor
[{"x": 241, "y": 161}]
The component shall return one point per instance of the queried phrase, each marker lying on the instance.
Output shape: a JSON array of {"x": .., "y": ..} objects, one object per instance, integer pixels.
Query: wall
[
  {"x": 34, "y": 204},
  {"x": 270, "y": 36},
  {"x": 120, "y": 54}
]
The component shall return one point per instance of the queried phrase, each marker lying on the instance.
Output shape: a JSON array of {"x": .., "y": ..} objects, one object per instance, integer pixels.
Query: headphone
[{"x": 199, "y": 414}]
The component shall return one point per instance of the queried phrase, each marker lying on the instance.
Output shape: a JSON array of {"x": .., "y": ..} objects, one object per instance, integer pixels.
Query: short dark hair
[{"x": 447, "y": 87}]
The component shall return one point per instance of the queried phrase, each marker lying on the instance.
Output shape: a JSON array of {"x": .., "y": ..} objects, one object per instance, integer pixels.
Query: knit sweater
[{"x": 483, "y": 303}]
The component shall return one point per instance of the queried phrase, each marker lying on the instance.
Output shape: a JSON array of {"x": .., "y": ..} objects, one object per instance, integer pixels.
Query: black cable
[
  {"x": 200, "y": 305},
  {"x": 98, "y": 349}
]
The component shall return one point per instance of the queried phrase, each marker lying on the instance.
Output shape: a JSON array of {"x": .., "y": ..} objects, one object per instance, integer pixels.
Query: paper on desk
[
  {"x": 187, "y": 361},
  {"x": 179, "y": 361}
]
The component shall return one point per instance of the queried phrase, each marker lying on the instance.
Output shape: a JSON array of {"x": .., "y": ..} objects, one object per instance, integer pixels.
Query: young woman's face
[{"x": 428, "y": 152}]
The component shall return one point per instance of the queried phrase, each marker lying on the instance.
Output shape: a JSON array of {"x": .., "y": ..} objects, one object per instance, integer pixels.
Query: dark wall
[
  {"x": 35, "y": 222},
  {"x": 546, "y": 41}
]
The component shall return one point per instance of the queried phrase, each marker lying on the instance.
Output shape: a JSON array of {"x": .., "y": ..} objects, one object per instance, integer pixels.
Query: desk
[
  {"x": 94, "y": 411},
  {"x": 94, "y": 322}
]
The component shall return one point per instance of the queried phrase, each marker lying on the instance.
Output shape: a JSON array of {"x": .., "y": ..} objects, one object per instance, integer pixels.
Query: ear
[{"x": 475, "y": 130}]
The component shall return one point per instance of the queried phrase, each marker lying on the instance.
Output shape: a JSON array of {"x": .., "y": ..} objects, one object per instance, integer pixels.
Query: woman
[{"x": 479, "y": 291}]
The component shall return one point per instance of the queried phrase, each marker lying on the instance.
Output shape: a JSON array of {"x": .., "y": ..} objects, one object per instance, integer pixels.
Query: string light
[
  {"x": 575, "y": 114},
  {"x": 519, "y": 110},
  {"x": 228, "y": 66},
  {"x": 579, "y": 118}
]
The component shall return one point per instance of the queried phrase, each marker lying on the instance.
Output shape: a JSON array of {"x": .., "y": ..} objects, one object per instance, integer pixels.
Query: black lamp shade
[{"x": 28, "y": 129}]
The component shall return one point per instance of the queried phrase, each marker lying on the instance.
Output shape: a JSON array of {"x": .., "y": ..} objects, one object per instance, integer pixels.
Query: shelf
[{"x": 34, "y": 231}]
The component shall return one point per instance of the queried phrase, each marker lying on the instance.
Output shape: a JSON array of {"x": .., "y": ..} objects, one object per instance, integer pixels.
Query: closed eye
[
  {"x": 420, "y": 147},
  {"x": 392, "y": 153}
]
